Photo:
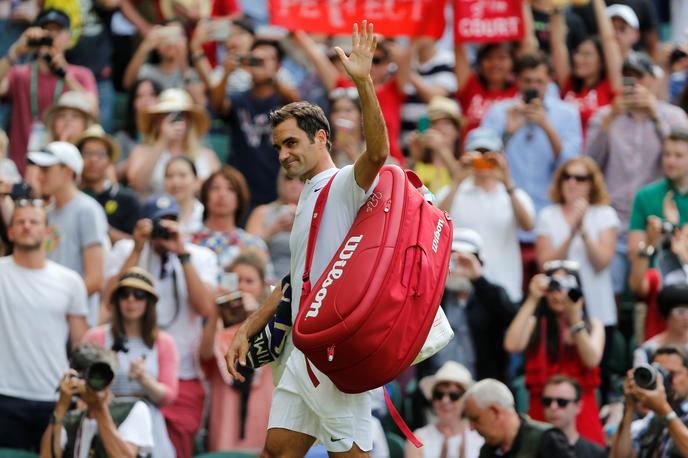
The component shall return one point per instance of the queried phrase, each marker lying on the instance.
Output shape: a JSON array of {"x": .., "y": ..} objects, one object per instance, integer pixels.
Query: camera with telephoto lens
[
  {"x": 159, "y": 231},
  {"x": 93, "y": 364},
  {"x": 38, "y": 42},
  {"x": 568, "y": 283},
  {"x": 645, "y": 376}
]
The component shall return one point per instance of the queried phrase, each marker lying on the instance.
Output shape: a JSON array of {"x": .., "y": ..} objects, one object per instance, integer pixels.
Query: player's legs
[
  {"x": 355, "y": 452},
  {"x": 283, "y": 443}
]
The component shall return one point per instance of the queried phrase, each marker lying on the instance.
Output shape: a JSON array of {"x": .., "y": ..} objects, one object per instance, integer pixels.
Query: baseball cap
[
  {"x": 53, "y": 16},
  {"x": 58, "y": 153},
  {"x": 467, "y": 241},
  {"x": 624, "y": 12},
  {"x": 639, "y": 62},
  {"x": 483, "y": 138},
  {"x": 157, "y": 207}
]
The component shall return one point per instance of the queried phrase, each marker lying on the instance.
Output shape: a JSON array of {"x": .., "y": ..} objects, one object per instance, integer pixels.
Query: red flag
[{"x": 488, "y": 20}]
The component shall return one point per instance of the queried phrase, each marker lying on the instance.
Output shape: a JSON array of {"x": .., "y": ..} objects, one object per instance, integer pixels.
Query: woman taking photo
[
  {"x": 181, "y": 182},
  {"x": 172, "y": 127},
  {"x": 558, "y": 336},
  {"x": 147, "y": 356},
  {"x": 449, "y": 436}
]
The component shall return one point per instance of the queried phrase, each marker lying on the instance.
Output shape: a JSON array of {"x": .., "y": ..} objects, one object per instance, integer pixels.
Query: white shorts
[{"x": 334, "y": 418}]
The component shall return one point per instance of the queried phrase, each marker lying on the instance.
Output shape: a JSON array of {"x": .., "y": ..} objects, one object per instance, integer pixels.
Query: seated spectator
[
  {"x": 172, "y": 72},
  {"x": 78, "y": 231},
  {"x": 239, "y": 411},
  {"x": 225, "y": 198},
  {"x": 663, "y": 431},
  {"x": 100, "y": 426},
  {"x": 490, "y": 410},
  {"x": 626, "y": 27},
  {"x": 68, "y": 118},
  {"x": 346, "y": 123},
  {"x": 141, "y": 95},
  {"x": 431, "y": 149},
  {"x": 172, "y": 127},
  {"x": 559, "y": 337},
  {"x": 186, "y": 274},
  {"x": 450, "y": 436},
  {"x": 626, "y": 140},
  {"x": 8, "y": 169},
  {"x": 673, "y": 306},
  {"x": 147, "y": 356},
  {"x": 483, "y": 197},
  {"x": 595, "y": 76},
  {"x": 273, "y": 222},
  {"x": 99, "y": 152},
  {"x": 478, "y": 311},
  {"x": 52, "y": 76},
  {"x": 561, "y": 399},
  {"x": 43, "y": 305},
  {"x": 181, "y": 182},
  {"x": 582, "y": 227}
]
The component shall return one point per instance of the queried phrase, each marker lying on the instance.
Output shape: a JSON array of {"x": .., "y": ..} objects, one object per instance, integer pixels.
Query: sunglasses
[
  {"x": 561, "y": 402},
  {"x": 125, "y": 293},
  {"x": 377, "y": 60},
  {"x": 579, "y": 178},
  {"x": 439, "y": 395},
  {"x": 24, "y": 202}
]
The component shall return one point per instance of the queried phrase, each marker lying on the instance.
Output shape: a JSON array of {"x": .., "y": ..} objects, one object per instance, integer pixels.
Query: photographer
[
  {"x": 100, "y": 426},
  {"x": 34, "y": 86},
  {"x": 185, "y": 274},
  {"x": 661, "y": 433},
  {"x": 559, "y": 337}
]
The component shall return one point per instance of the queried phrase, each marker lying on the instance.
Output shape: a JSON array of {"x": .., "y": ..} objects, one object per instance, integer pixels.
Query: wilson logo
[
  {"x": 436, "y": 236},
  {"x": 334, "y": 274},
  {"x": 373, "y": 201}
]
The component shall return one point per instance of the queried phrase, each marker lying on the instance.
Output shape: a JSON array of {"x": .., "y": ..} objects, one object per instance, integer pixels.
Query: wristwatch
[
  {"x": 184, "y": 258},
  {"x": 668, "y": 417},
  {"x": 578, "y": 327},
  {"x": 54, "y": 420},
  {"x": 645, "y": 250}
]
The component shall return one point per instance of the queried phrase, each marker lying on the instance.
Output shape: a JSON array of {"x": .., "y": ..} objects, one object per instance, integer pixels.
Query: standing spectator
[
  {"x": 346, "y": 122},
  {"x": 595, "y": 76},
  {"x": 543, "y": 10},
  {"x": 66, "y": 119},
  {"x": 478, "y": 311},
  {"x": 239, "y": 411},
  {"x": 273, "y": 222},
  {"x": 8, "y": 169},
  {"x": 449, "y": 437},
  {"x": 181, "y": 182},
  {"x": 246, "y": 114},
  {"x": 172, "y": 127},
  {"x": 626, "y": 27},
  {"x": 147, "y": 357},
  {"x": 582, "y": 227},
  {"x": 185, "y": 276},
  {"x": 483, "y": 197},
  {"x": 626, "y": 139},
  {"x": 559, "y": 338},
  {"x": 78, "y": 231},
  {"x": 42, "y": 305},
  {"x": 641, "y": 17},
  {"x": 46, "y": 71},
  {"x": 99, "y": 152},
  {"x": 225, "y": 198},
  {"x": 561, "y": 400}
]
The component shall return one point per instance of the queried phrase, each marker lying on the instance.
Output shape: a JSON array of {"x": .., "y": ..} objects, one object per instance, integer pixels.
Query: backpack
[{"x": 366, "y": 319}]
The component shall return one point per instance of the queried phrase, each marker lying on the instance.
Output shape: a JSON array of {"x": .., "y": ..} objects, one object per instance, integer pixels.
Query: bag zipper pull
[
  {"x": 387, "y": 205},
  {"x": 330, "y": 353}
]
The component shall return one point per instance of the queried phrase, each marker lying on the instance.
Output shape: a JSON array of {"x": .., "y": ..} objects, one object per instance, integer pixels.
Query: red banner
[
  {"x": 480, "y": 21},
  {"x": 336, "y": 17}
]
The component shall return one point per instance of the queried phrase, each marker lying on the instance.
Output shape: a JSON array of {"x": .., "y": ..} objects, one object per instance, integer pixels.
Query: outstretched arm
[{"x": 357, "y": 65}]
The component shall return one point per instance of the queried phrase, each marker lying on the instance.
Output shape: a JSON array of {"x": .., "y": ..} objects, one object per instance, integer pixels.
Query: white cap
[
  {"x": 467, "y": 241},
  {"x": 624, "y": 12},
  {"x": 58, "y": 153}
]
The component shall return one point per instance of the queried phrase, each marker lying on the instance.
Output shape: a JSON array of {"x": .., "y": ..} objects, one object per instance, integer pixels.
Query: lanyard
[{"x": 34, "y": 90}]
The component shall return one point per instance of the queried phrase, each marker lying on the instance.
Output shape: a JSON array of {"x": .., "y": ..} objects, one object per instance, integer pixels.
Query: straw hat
[
  {"x": 137, "y": 278},
  {"x": 444, "y": 108},
  {"x": 452, "y": 372},
  {"x": 170, "y": 101},
  {"x": 79, "y": 101},
  {"x": 96, "y": 132}
]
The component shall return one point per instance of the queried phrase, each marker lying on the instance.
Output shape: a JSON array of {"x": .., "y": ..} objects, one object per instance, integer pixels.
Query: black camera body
[
  {"x": 20, "y": 190},
  {"x": 530, "y": 94},
  {"x": 160, "y": 231},
  {"x": 569, "y": 284},
  {"x": 645, "y": 376},
  {"x": 251, "y": 61},
  {"x": 38, "y": 42},
  {"x": 98, "y": 375}
]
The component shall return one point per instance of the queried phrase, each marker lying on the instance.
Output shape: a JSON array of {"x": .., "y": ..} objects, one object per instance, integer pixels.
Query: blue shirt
[{"x": 529, "y": 152}]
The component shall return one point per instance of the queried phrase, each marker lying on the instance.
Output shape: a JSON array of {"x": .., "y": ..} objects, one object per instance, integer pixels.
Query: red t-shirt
[
  {"x": 588, "y": 100},
  {"x": 391, "y": 100},
  {"x": 475, "y": 100},
  {"x": 19, "y": 94}
]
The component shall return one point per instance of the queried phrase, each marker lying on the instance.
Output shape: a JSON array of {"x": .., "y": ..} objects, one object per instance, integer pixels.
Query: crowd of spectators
[{"x": 144, "y": 215}]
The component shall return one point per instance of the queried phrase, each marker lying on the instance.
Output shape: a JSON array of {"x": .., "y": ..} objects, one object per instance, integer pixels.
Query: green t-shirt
[{"x": 648, "y": 202}]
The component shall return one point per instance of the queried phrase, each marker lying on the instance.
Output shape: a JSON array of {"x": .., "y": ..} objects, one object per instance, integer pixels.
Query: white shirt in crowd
[
  {"x": 492, "y": 216},
  {"x": 433, "y": 440},
  {"x": 175, "y": 315},
  {"x": 597, "y": 286},
  {"x": 35, "y": 305}
]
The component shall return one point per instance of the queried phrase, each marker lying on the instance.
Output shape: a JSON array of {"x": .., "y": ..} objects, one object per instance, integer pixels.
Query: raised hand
[{"x": 363, "y": 45}]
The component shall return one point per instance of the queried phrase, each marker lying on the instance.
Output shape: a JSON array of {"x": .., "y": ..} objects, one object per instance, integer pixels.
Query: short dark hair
[
  {"x": 558, "y": 379},
  {"x": 531, "y": 61},
  {"x": 238, "y": 183},
  {"x": 671, "y": 350},
  {"x": 309, "y": 117},
  {"x": 267, "y": 42},
  {"x": 678, "y": 135}
]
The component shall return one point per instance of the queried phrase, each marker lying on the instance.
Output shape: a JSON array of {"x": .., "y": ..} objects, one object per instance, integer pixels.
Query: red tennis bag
[{"x": 367, "y": 317}]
